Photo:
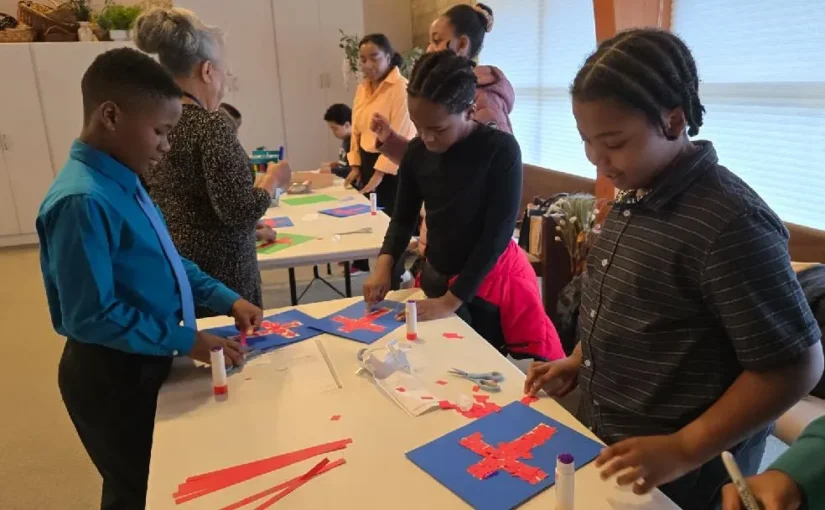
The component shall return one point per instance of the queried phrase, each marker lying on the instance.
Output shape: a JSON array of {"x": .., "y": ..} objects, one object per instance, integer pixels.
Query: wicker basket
[
  {"x": 42, "y": 17},
  {"x": 21, "y": 34}
]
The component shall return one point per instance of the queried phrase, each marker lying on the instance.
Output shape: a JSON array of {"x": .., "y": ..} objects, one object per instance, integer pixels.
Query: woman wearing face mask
[{"x": 204, "y": 185}]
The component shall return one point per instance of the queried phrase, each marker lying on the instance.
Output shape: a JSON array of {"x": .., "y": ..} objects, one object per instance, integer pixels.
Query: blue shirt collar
[{"x": 105, "y": 164}]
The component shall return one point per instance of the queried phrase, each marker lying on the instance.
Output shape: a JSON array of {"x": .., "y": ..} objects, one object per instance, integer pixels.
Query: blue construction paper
[
  {"x": 265, "y": 340},
  {"x": 447, "y": 461},
  {"x": 381, "y": 326},
  {"x": 347, "y": 211},
  {"x": 279, "y": 222}
]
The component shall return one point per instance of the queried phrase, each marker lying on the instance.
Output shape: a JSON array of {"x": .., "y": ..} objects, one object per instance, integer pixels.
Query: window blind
[
  {"x": 540, "y": 45},
  {"x": 762, "y": 70}
]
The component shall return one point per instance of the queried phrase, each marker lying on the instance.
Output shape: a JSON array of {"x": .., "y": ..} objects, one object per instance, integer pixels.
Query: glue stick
[
  {"x": 219, "y": 385},
  {"x": 412, "y": 321},
  {"x": 373, "y": 203},
  {"x": 565, "y": 482}
]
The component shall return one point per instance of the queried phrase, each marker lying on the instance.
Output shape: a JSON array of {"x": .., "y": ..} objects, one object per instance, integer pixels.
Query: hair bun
[{"x": 487, "y": 14}]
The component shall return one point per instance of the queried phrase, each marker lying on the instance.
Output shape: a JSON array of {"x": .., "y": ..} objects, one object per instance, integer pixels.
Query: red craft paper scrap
[
  {"x": 453, "y": 336},
  {"x": 335, "y": 417},
  {"x": 446, "y": 404},
  {"x": 294, "y": 485},
  {"x": 400, "y": 389},
  {"x": 527, "y": 400},
  {"x": 427, "y": 397},
  {"x": 476, "y": 388},
  {"x": 441, "y": 382},
  {"x": 481, "y": 398}
]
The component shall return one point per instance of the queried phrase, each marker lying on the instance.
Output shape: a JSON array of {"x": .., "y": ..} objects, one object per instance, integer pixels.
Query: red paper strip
[
  {"x": 527, "y": 400},
  {"x": 242, "y": 503},
  {"x": 400, "y": 389},
  {"x": 207, "y": 483},
  {"x": 335, "y": 417},
  {"x": 481, "y": 398},
  {"x": 426, "y": 398},
  {"x": 453, "y": 336},
  {"x": 441, "y": 382},
  {"x": 294, "y": 485},
  {"x": 476, "y": 388}
]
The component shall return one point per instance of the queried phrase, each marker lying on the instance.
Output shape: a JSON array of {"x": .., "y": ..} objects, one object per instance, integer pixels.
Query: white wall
[{"x": 392, "y": 18}]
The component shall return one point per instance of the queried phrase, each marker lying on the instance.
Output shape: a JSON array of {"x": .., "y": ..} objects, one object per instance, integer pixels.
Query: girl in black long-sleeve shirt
[{"x": 469, "y": 178}]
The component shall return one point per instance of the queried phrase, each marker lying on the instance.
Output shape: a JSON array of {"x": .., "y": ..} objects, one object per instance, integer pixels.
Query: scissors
[{"x": 487, "y": 381}]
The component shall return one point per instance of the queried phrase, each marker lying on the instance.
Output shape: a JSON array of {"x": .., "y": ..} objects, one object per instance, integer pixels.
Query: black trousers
[{"x": 111, "y": 397}]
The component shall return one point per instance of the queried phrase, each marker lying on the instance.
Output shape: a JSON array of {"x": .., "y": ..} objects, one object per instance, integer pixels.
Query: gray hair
[{"x": 179, "y": 37}]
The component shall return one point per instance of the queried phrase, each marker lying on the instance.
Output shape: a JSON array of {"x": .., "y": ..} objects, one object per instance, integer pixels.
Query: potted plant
[
  {"x": 118, "y": 20},
  {"x": 81, "y": 10}
]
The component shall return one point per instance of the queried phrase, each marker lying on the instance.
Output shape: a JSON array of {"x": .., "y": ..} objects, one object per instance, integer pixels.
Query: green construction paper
[
  {"x": 283, "y": 242},
  {"x": 309, "y": 199}
]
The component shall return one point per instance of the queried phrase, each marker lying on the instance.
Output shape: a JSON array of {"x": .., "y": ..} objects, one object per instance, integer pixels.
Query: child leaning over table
[
  {"x": 694, "y": 333},
  {"x": 116, "y": 286},
  {"x": 339, "y": 120}
]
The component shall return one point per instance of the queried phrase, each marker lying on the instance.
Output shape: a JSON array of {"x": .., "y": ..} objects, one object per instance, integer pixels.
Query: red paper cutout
[
  {"x": 335, "y": 417},
  {"x": 400, "y": 389},
  {"x": 476, "y": 388},
  {"x": 506, "y": 456},
  {"x": 364, "y": 323},
  {"x": 242, "y": 503},
  {"x": 441, "y": 382},
  {"x": 280, "y": 329},
  {"x": 280, "y": 240},
  {"x": 207, "y": 483},
  {"x": 294, "y": 485},
  {"x": 479, "y": 410},
  {"x": 528, "y": 400},
  {"x": 481, "y": 398},
  {"x": 445, "y": 404},
  {"x": 453, "y": 336}
]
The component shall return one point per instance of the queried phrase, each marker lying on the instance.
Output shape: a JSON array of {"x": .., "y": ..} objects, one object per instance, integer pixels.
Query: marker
[
  {"x": 412, "y": 321},
  {"x": 373, "y": 203},
  {"x": 565, "y": 482},
  {"x": 739, "y": 482},
  {"x": 219, "y": 385}
]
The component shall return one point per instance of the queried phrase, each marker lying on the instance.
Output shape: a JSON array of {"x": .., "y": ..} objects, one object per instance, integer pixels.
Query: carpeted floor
[{"x": 42, "y": 464}]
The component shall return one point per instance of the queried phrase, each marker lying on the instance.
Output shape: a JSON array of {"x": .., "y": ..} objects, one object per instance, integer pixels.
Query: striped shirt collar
[{"x": 673, "y": 181}]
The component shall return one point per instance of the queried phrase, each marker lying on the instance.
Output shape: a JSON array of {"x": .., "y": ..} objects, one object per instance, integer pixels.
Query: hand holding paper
[
  {"x": 247, "y": 316},
  {"x": 205, "y": 342}
]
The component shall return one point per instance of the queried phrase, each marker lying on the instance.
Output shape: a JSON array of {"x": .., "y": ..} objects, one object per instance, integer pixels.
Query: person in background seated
[
  {"x": 339, "y": 119},
  {"x": 694, "y": 334},
  {"x": 461, "y": 29},
  {"x": 204, "y": 184},
  {"x": 232, "y": 115},
  {"x": 794, "y": 481},
  {"x": 115, "y": 284},
  {"x": 469, "y": 177}
]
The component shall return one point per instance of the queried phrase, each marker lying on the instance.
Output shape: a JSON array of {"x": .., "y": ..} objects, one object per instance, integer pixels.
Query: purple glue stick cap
[
  {"x": 565, "y": 458},
  {"x": 216, "y": 349}
]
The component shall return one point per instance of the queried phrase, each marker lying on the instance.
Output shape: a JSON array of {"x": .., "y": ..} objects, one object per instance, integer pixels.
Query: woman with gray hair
[{"x": 204, "y": 184}]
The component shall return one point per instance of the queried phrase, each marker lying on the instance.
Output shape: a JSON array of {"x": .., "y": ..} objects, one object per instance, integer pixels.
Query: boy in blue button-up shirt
[{"x": 116, "y": 286}]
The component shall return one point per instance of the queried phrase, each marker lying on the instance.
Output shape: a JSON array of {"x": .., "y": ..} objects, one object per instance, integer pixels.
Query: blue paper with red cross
[
  {"x": 347, "y": 211},
  {"x": 276, "y": 331},
  {"x": 500, "y": 461},
  {"x": 356, "y": 323}
]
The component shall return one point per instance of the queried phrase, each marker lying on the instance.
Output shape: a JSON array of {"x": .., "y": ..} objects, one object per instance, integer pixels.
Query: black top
[
  {"x": 686, "y": 289},
  {"x": 471, "y": 197},
  {"x": 204, "y": 186}
]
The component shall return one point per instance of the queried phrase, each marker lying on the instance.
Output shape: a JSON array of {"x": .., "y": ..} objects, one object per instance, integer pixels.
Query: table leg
[
  {"x": 293, "y": 287},
  {"x": 329, "y": 269},
  {"x": 347, "y": 280}
]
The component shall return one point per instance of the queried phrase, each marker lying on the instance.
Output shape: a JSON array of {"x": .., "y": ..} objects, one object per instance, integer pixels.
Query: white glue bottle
[
  {"x": 373, "y": 203},
  {"x": 412, "y": 321},
  {"x": 565, "y": 482},
  {"x": 219, "y": 384}
]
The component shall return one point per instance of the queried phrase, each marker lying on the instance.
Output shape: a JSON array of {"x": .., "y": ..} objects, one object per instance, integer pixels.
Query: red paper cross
[
  {"x": 280, "y": 329},
  {"x": 506, "y": 456},
  {"x": 364, "y": 323},
  {"x": 279, "y": 240}
]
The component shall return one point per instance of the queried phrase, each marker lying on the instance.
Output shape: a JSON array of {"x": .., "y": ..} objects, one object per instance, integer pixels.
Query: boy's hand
[
  {"x": 205, "y": 342},
  {"x": 773, "y": 489},
  {"x": 352, "y": 178},
  {"x": 247, "y": 316},
  {"x": 380, "y": 125},
  {"x": 434, "y": 308},
  {"x": 265, "y": 233},
  {"x": 647, "y": 462},
  {"x": 376, "y": 286},
  {"x": 557, "y": 378}
]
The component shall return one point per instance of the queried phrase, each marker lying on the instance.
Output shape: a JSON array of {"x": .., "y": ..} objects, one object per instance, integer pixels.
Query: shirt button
[
  {"x": 592, "y": 314},
  {"x": 175, "y": 352},
  {"x": 587, "y": 362},
  {"x": 604, "y": 262},
  {"x": 626, "y": 213}
]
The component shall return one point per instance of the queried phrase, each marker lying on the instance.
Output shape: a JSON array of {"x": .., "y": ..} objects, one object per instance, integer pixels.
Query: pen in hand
[{"x": 745, "y": 494}]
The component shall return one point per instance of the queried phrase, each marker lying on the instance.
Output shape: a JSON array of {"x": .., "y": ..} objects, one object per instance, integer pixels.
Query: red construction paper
[
  {"x": 242, "y": 503},
  {"x": 400, "y": 389},
  {"x": 481, "y": 398},
  {"x": 506, "y": 456},
  {"x": 446, "y": 404},
  {"x": 335, "y": 417},
  {"x": 207, "y": 483},
  {"x": 441, "y": 382},
  {"x": 528, "y": 400},
  {"x": 453, "y": 336},
  {"x": 476, "y": 388},
  {"x": 294, "y": 485}
]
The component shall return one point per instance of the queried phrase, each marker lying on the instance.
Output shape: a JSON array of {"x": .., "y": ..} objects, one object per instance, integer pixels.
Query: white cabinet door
[
  {"x": 8, "y": 213},
  {"x": 25, "y": 146},
  {"x": 337, "y": 15},
  {"x": 250, "y": 44},
  {"x": 59, "y": 68},
  {"x": 300, "y": 63}
]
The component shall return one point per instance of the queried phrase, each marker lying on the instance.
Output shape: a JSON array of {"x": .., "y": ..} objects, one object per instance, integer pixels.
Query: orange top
[{"x": 388, "y": 99}]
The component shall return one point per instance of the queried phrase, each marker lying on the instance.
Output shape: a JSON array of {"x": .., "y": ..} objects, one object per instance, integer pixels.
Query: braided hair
[
  {"x": 444, "y": 78},
  {"x": 647, "y": 69}
]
